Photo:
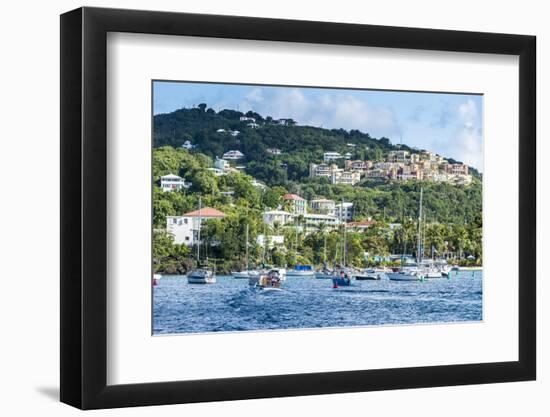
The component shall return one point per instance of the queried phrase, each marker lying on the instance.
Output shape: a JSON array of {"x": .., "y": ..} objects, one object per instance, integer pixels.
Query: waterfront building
[
  {"x": 185, "y": 228},
  {"x": 272, "y": 240},
  {"x": 344, "y": 211},
  {"x": 313, "y": 221},
  {"x": 323, "y": 206},
  {"x": 297, "y": 203},
  {"x": 360, "y": 226},
  {"x": 270, "y": 217}
]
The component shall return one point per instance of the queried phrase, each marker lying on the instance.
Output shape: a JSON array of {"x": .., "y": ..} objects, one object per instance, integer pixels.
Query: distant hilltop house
[
  {"x": 247, "y": 119},
  {"x": 285, "y": 122},
  {"x": 253, "y": 125},
  {"x": 358, "y": 165},
  {"x": 331, "y": 156},
  {"x": 229, "y": 132},
  {"x": 297, "y": 203},
  {"x": 185, "y": 228},
  {"x": 399, "y": 165},
  {"x": 334, "y": 174},
  {"x": 233, "y": 155},
  {"x": 273, "y": 151},
  {"x": 188, "y": 145},
  {"x": 345, "y": 177},
  {"x": 173, "y": 182}
]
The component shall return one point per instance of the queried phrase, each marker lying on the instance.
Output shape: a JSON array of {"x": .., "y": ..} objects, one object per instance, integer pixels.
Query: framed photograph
[{"x": 260, "y": 208}]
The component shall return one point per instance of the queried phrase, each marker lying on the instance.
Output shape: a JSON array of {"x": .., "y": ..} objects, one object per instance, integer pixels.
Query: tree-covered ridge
[{"x": 300, "y": 145}]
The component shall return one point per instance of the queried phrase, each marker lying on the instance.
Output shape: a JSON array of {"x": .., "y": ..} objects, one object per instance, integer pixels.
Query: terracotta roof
[
  {"x": 293, "y": 197},
  {"x": 205, "y": 212},
  {"x": 365, "y": 223}
]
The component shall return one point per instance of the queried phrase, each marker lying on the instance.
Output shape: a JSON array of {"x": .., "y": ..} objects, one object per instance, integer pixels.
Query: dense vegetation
[{"x": 453, "y": 216}]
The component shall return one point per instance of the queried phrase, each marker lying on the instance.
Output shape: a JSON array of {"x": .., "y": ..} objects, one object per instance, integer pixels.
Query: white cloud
[
  {"x": 327, "y": 110},
  {"x": 467, "y": 142}
]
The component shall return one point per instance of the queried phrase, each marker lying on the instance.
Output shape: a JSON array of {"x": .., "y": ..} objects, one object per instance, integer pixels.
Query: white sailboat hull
[
  {"x": 201, "y": 277},
  {"x": 294, "y": 273},
  {"x": 404, "y": 276},
  {"x": 244, "y": 274}
]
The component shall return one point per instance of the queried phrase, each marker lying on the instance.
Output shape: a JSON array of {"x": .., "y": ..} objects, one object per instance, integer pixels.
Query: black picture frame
[{"x": 84, "y": 207}]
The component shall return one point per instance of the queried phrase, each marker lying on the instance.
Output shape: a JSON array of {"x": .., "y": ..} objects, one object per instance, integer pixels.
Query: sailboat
[
  {"x": 342, "y": 277},
  {"x": 300, "y": 270},
  {"x": 326, "y": 272},
  {"x": 203, "y": 274},
  {"x": 413, "y": 272},
  {"x": 246, "y": 273}
]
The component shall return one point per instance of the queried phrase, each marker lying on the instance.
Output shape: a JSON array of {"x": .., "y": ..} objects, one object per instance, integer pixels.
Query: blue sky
[{"x": 449, "y": 124}]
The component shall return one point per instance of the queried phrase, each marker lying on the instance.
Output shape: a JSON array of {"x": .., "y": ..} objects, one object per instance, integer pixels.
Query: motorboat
[{"x": 266, "y": 282}]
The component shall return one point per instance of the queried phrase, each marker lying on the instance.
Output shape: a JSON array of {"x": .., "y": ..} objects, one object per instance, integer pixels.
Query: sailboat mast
[
  {"x": 419, "y": 239},
  {"x": 246, "y": 259},
  {"x": 345, "y": 233},
  {"x": 325, "y": 249},
  {"x": 199, "y": 232}
]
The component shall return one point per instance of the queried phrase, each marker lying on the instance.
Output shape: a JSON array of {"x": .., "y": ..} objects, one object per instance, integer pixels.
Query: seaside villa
[{"x": 185, "y": 228}]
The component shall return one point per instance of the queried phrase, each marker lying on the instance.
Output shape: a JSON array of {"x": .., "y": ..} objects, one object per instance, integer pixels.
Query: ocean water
[{"x": 229, "y": 305}]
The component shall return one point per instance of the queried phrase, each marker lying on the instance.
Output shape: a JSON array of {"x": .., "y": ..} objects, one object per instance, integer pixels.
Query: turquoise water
[{"x": 229, "y": 305}]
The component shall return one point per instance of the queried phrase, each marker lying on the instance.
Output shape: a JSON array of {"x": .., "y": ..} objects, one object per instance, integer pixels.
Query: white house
[
  {"x": 247, "y": 119},
  {"x": 185, "y": 228},
  {"x": 187, "y": 145},
  {"x": 331, "y": 156},
  {"x": 272, "y": 240},
  {"x": 280, "y": 217},
  {"x": 173, "y": 182},
  {"x": 220, "y": 131},
  {"x": 235, "y": 133},
  {"x": 253, "y": 125},
  {"x": 233, "y": 154},
  {"x": 323, "y": 206},
  {"x": 273, "y": 151},
  {"x": 323, "y": 170},
  {"x": 346, "y": 177},
  {"x": 314, "y": 220},
  {"x": 344, "y": 211},
  {"x": 221, "y": 164}
]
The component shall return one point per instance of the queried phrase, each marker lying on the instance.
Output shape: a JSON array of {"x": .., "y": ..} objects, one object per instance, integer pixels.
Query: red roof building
[
  {"x": 294, "y": 197},
  {"x": 205, "y": 212}
]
